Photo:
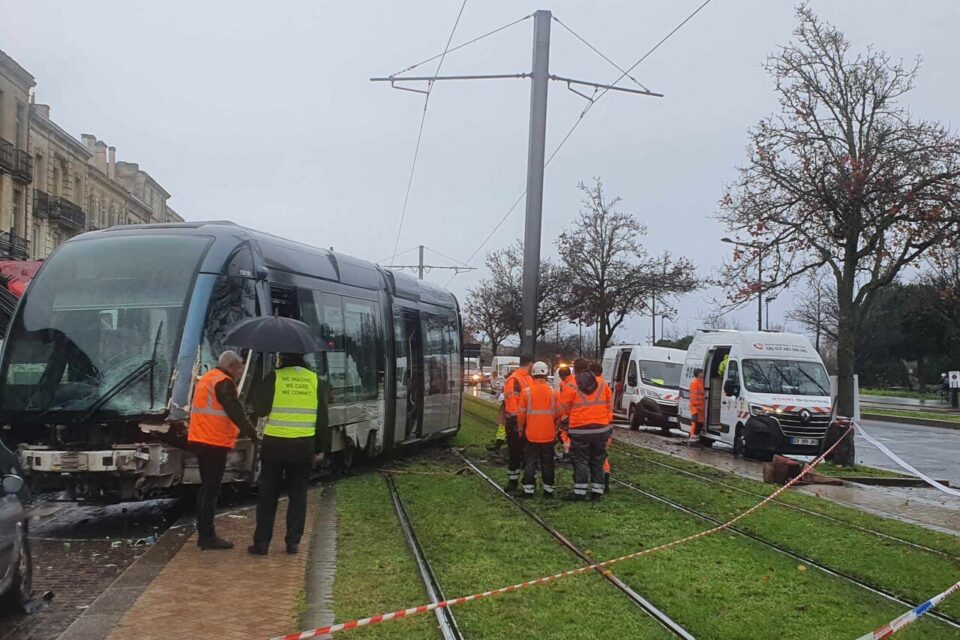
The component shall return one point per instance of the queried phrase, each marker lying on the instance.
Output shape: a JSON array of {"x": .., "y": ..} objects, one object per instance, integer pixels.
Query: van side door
[{"x": 730, "y": 400}]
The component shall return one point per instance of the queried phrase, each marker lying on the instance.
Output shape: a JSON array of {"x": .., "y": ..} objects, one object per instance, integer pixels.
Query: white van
[
  {"x": 772, "y": 396},
  {"x": 645, "y": 383},
  {"x": 500, "y": 369}
]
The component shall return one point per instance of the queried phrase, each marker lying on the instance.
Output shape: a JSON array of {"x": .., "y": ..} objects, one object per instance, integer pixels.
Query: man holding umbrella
[
  {"x": 296, "y": 435},
  {"x": 294, "y": 402}
]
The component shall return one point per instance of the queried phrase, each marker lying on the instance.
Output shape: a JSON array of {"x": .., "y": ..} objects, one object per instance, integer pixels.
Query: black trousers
[
  {"x": 298, "y": 480},
  {"x": 514, "y": 450},
  {"x": 211, "y": 462},
  {"x": 589, "y": 451},
  {"x": 538, "y": 454}
]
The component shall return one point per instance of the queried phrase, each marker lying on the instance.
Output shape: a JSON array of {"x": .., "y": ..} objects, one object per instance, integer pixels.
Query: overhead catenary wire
[
  {"x": 599, "y": 53},
  {"x": 423, "y": 119},
  {"x": 461, "y": 46},
  {"x": 598, "y": 95}
]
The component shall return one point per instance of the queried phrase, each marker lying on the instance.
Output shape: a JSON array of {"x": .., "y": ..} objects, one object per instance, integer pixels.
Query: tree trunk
[
  {"x": 493, "y": 348},
  {"x": 847, "y": 325}
]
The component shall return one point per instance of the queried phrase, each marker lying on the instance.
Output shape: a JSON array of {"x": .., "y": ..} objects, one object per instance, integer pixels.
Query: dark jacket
[
  {"x": 586, "y": 382},
  {"x": 293, "y": 450}
]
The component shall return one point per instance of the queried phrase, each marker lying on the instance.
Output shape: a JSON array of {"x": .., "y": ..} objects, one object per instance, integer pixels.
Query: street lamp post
[
  {"x": 759, "y": 250},
  {"x": 769, "y": 300}
]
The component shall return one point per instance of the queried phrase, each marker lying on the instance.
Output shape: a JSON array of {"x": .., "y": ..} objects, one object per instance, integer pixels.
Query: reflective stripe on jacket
[
  {"x": 516, "y": 382},
  {"x": 209, "y": 423},
  {"x": 537, "y": 413},
  {"x": 294, "y": 410},
  {"x": 587, "y": 410},
  {"x": 697, "y": 398}
]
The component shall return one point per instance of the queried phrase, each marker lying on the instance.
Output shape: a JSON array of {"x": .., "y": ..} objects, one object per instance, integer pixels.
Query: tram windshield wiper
[{"x": 109, "y": 394}]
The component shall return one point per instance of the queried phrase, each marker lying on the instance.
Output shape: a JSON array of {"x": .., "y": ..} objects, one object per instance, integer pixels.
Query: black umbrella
[{"x": 273, "y": 334}]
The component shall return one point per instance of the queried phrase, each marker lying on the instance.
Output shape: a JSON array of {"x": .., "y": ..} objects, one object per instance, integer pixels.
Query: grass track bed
[{"x": 891, "y": 565}]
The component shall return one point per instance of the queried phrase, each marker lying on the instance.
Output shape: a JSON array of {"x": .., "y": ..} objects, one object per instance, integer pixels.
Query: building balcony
[
  {"x": 22, "y": 166},
  {"x": 14, "y": 247},
  {"x": 55, "y": 208}
]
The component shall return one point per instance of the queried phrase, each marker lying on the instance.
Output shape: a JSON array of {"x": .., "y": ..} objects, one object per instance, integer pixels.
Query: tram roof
[{"x": 289, "y": 255}]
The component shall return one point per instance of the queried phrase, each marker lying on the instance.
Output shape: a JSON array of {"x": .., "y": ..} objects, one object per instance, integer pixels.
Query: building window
[
  {"x": 19, "y": 137},
  {"x": 17, "y": 208},
  {"x": 77, "y": 191},
  {"x": 35, "y": 242}
]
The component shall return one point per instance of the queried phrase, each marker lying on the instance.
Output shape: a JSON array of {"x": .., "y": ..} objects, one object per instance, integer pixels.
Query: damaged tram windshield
[{"x": 99, "y": 327}]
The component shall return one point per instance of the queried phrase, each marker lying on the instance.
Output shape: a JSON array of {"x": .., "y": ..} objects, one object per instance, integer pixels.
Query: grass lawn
[
  {"x": 953, "y": 418},
  {"x": 900, "y": 393},
  {"x": 726, "y": 586},
  {"x": 855, "y": 471}
]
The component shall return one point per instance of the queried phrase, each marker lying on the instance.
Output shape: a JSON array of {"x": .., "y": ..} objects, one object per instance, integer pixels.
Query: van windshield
[
  {"x": 791, "y": 377},
  {"x": 661, "y": 374}
]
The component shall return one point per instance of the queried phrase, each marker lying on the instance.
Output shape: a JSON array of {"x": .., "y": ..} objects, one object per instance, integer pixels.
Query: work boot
[
  {"x": 512, "y": 487},
  {"x": 215, "y": 542},
  {"x": 595, "y": 497},
  {"x": 293, "y": 548},
  {"x": 606, "y": 483},
  {"x": 257, "y": 550},
  {"x": 549, "y": 495},
  {"x": 575, "y": 497}
]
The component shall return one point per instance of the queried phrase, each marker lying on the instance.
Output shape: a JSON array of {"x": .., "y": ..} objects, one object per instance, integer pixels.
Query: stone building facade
[
  {"x": 53, "y": 186},
  {"x": 16, "y": 164}
]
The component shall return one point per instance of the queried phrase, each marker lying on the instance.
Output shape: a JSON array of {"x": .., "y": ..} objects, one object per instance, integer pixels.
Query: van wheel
[
  {"x": 739, "y": 444},
  {"x": 635, "y": 418}
]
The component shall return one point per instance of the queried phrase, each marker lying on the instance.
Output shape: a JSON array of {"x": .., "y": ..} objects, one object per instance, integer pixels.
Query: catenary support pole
[
  {"x": 540, "y": 76},
  {"x": 420, "y": 270}
]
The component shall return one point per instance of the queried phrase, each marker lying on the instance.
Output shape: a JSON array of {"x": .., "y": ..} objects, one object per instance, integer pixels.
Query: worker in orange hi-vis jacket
[
  {"x": 597, "y": 370},
  {"x": 537, "y": 419},
  {"x": 697, "y": 405},
  {"x": 565, "y": 380},
  {"x": 588, "y": 406},
  {"x": 514, "y": 385}
]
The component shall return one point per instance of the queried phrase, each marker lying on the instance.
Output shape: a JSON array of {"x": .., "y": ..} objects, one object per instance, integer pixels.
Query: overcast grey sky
[{"x": 262, "y": 113}]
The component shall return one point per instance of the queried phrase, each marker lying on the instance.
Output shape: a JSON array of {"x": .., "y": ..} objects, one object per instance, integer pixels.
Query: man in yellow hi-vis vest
[{"x": 295, "y": 437}]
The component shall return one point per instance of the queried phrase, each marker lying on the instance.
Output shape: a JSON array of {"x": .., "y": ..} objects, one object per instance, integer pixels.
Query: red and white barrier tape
[
  {"x": 909, "y": 617},
  {"x": 425, "y": 608}
]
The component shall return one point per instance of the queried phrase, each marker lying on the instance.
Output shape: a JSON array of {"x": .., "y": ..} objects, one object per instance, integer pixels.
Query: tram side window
[
  {"x": 362, "y": 346},
  {"x": 331, "y": 332},
  {"x": 234, "y": 298},
  {"x": 434, "y": 355},
  {"x": 311, "y": 313},
  {"x": 453, "y": 348}
]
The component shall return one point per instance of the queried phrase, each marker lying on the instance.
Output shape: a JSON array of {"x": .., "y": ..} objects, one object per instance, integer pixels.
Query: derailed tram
[{"x": 101, "y": 358}]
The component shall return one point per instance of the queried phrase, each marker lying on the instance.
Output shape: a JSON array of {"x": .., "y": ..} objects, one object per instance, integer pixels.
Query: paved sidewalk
[{"x": 225, "y": 594}]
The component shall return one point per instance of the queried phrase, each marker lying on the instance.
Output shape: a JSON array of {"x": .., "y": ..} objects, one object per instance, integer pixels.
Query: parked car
[{"x": 16, "y": 562}]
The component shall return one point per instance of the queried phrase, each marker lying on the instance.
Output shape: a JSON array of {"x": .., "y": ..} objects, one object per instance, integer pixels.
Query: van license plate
[{"x": 805, "y": 441}]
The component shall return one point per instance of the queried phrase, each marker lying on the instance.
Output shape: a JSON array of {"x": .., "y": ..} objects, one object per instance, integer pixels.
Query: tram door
[{"x": 408, "y": 341}]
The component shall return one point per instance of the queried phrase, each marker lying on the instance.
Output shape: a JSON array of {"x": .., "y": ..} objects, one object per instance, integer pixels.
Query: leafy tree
[
  {"x": 842, "y": 178},
  {"x": 608, "y": 273}
]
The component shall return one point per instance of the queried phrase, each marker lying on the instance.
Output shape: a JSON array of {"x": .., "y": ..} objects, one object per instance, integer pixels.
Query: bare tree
[
  {"x": 506, "y": 276},
  {"x": 610, "y": 275},
  {"x": 816, "y": 309},
  {"x": 842, "y": 178},
  {"x": 483, "y": 312}
]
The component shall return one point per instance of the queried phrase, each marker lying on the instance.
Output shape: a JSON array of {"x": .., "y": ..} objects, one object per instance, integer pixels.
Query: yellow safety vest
[{"x": 294, "y": 412}]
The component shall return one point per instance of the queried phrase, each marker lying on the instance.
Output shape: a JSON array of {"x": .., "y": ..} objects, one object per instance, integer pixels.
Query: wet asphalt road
[{"x": 932, "y": 450}]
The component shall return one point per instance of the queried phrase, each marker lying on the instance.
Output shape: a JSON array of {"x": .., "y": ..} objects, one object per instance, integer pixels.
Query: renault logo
[{"x": 805, "y": 416}]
